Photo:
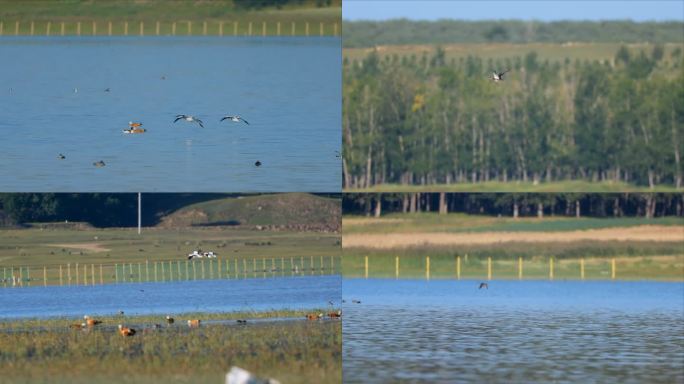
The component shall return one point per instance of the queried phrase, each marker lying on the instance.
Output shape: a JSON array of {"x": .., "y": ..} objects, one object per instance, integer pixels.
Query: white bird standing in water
[{"x": 190, "y": 119}]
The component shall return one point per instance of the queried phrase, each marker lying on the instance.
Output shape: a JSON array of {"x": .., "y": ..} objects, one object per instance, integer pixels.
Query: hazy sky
[{"x": 658, "y": 10}]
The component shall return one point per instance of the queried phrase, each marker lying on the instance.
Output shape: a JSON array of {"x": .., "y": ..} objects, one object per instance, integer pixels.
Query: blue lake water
[
  {"x": 54, "y": 101},
  {"x": 513, "y": 332},
  {"x": 173, "y": 297}
]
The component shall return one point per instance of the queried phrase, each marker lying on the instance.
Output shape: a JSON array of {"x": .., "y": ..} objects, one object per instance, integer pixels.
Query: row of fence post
[
  {"x": 613, "y": 268},
  {"x": 171, "y": 270},
  {"x": 295, "y": 28}
]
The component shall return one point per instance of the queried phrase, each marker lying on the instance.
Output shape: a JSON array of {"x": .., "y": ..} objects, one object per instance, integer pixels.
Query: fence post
[
  {"x": 68, "y": 273},
  {"x": 78, "y": 28},
  {"x": 335, "y": 29},
  {"x": 61, "y": 28},
  {"x": 187, "y": 270},
  {"x": 109, "y": 28},
  {"x": 396, "y": 267},
  {"x": 254, "y": 267},
  {"x": 458, "y": 267},
  {"x": 173, "y": 29},
  {"x": 156, "y": 28},
  {"x": 116, "y": 273},
  {"x": 220, "y": 28},
  {"x": 235, "y": 28},
  {"x": 278, "y": 28},
  {"x": 94, "y": 28},
  {"x": 282, "y": 266},
  {"x": 520, "y": 267},
  {"x": 155, "y": 271},
  {"x": 263, "y": 28},
  {"x": 77, "y": 274},
  {"x": 2, "y": 27},
  {"x": 293, "y": 29},
  {"x": 101, "y": 277},
  {"x": 612, "y": 268},
  {"x": 365, "y": 274},
  {"x": 16, "y": 28},
  {"x": 125, "y": 28},
  {"x": 163, "y": 272},
  {"x": 582, "y": 268},
  {"x": 320, "y": 29},
  {"x": 244, "y": 267},
  {"x": 44, "y": 276},
  {"x": 32, "y": 27},
  {"x": 47, "y": 28},
  {"x": 306, "y": 29},
  {"x": 60, "y": 274},
  {"x": 179, "y": 270},
  {"x": 204, "y": 28},
  {"x": 85, "y": 274},
  {"x": 92, "y": 274},
  {"x": 142, "y": 28},
  {"x": 194, "y": 271},
  {"x": 237, "y": 270},
  {"x": 551, "y": 268},
  {"x": 170, "y": 270},
  {"x": 263, "y": 266},
  {"x": 189, "y": 28},
  {"x": 489, "y": 267},
  {"x": 427, "y": 267},
  {"x": 203, "y": 269},
  {"x": 139, "y": 273},
  {"x": 249, "y": 28}
]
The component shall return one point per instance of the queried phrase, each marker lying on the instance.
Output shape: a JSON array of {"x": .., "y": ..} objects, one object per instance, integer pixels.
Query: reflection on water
[
  {"x": 445, "y": 331},
  {"x": 176, "y": 297},
  {"x": 289, "y": 90}
]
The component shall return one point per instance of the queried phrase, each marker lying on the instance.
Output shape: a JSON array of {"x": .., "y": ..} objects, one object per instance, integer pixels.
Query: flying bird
[
  {"x": 484, "y": 285},
  {"x": 190, "y": 119},
  {"x": 61, "y": 156},
  {"x": 235, "y": 118},
  {"x": 498, "y": 76},
  {"x": 99, "y": 164},
  {"x": 258, "y": 163}
]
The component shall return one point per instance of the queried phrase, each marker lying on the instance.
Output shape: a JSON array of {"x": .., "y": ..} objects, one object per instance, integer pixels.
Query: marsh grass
[
  {"x": 634, "y": 261},
  {"x": 291, "y": 351}
]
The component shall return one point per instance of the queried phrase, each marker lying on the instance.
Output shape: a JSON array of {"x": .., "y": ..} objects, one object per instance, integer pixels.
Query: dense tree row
[
  {"x": 429, "y": 120},
  {"x": 372, "y": 33},
  {"x": 519, "y": 204},
  {"x": 98, "y": 209}
]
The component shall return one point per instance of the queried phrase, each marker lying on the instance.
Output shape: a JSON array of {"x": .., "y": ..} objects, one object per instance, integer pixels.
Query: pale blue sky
[{"x": 657, "y": 10}]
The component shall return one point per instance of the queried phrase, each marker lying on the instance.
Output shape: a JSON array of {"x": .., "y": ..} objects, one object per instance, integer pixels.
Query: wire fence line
[
  {"x": 462, "y": 267},
  {"x": 168, "y": 28},
  {"x": 85, "y": 274}
]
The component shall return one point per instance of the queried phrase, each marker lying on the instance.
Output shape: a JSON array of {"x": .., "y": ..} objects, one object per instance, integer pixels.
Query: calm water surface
[
  {"x": 172, "y": 297},
  {"x": 513, "y": 332},
  {"x": 54, "y": 101}
]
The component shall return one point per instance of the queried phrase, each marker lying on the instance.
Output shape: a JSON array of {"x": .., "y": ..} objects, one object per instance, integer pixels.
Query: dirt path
[
  {"x": 93, "y": 247},
  {"x": 403, "y": 240}
]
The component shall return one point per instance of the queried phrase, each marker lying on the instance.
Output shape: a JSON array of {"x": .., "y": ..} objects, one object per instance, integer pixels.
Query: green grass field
[
  {"x": 459, "y": 223},
  {"x": 545, "y": 51},
  {"x": 237, "y": 21},
  {"x": 160, "y": 254},
  {"x": 520, "y": 187},
  {"x": 296, "y": 351},
  {"x": 653, "y": 259}
]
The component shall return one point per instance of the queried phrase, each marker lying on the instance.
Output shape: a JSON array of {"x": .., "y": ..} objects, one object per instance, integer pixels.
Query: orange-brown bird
[
  {"x": 124, "y": 331},
  {"x": 314, "y": 316},
  {"x": 335, "y": 314},
  {"x": 91, "y": 322},
  {"x": 194, "y": 323}
]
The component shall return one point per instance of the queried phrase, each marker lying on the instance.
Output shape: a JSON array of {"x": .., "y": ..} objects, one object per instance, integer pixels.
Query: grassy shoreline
[
  {"x": 166, "y": 18},
  {"x": 291, "y": 351}
]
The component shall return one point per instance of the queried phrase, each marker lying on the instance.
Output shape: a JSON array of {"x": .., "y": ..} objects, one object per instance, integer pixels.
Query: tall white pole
[{"x": 139, "y": 212}]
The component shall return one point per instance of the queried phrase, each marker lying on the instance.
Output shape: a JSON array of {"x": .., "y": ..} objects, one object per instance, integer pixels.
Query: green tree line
[
  {"x": 359, "y": 34},
  {"x": 647, "y": 205},
  {"x": 428, "y": 120},
  {"x": 98, "y": 209}
]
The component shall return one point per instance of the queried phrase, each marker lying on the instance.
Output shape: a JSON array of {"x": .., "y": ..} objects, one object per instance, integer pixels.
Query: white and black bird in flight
[
  {"x": 498, "y": 76},
  {"x": 235, "y": 118},
  {"x": 190, "y": 119}
]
